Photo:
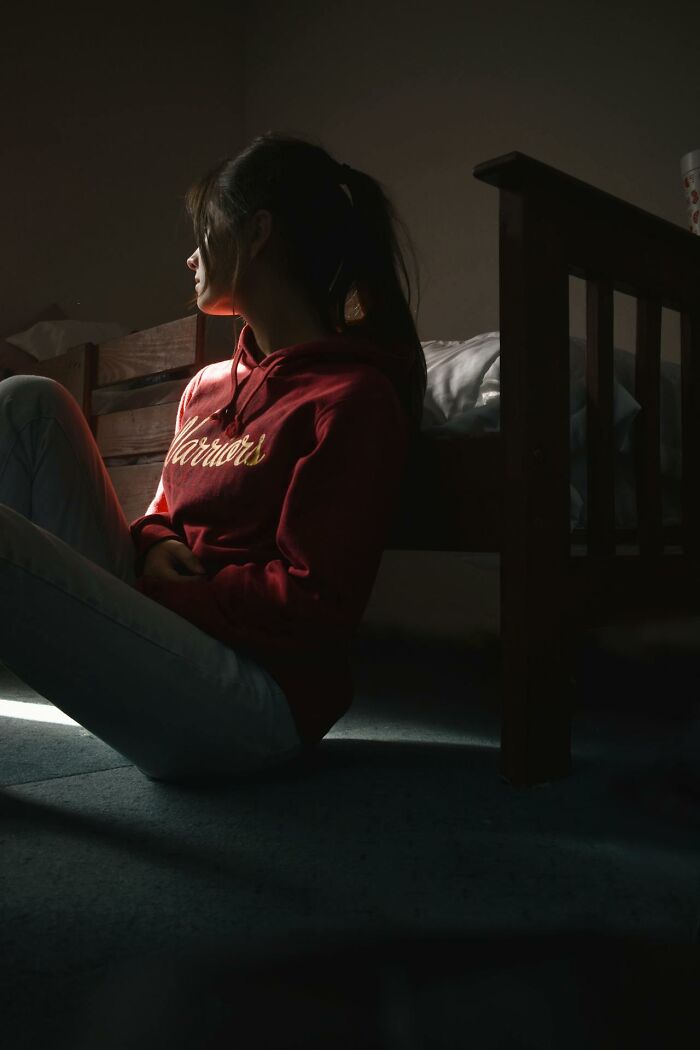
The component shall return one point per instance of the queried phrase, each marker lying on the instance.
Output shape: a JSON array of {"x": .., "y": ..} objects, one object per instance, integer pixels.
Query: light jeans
[{"x": 173, "y": 700}]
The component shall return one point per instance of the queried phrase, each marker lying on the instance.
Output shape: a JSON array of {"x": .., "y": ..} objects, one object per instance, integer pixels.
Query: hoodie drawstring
[{"x": 222, "y": 413}]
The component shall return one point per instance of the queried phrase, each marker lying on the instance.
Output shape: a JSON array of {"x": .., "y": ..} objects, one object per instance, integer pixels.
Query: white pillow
[
  {"x": 456, "y": 368},
  {"x": 464, "y": 389}
]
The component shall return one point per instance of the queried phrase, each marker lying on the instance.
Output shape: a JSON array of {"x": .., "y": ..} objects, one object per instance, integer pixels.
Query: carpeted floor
[{"x": 131, "y": 908}]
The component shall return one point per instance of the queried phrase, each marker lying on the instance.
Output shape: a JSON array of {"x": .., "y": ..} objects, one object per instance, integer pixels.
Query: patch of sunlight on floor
[{"x": 34, "y": 712}]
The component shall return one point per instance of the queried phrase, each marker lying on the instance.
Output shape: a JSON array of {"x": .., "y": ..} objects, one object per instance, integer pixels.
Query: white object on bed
[
  {"x": 463, "y": 396},
  {"x": 456, "y": 371},
  {"x": 47, "y": 339},
  {"x": 464, "y": 388}
]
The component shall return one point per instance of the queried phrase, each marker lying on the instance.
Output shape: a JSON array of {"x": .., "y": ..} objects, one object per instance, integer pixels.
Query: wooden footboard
[{"x": 551, "y": 226}]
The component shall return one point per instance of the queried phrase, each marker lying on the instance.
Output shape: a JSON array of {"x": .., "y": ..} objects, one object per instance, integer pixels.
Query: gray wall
[{"x": 107, "y": 117}]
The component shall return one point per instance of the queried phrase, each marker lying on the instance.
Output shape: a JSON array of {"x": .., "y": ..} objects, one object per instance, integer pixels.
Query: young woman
[{"x": 209, "y": 638}]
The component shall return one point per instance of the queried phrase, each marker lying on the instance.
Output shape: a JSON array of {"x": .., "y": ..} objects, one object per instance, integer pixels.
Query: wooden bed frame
[{"x": 506, "y": 492}]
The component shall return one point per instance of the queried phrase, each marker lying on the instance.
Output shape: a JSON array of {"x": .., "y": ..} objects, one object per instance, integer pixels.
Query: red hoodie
[{"x": 283, "y": 477}]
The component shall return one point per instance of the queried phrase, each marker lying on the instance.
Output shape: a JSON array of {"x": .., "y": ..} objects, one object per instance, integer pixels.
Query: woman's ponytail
[{"x": 373, "y": 273}]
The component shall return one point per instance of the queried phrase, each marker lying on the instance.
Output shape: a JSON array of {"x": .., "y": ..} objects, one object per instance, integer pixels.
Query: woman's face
[{"x": 208, "y": 301}]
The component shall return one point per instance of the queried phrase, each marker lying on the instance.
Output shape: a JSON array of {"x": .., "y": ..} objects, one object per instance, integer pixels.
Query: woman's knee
[{"x": 42, "y": 389}]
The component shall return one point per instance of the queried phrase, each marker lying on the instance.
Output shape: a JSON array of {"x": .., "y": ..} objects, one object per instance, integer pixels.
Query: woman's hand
[{"x": 172, "y": 560}]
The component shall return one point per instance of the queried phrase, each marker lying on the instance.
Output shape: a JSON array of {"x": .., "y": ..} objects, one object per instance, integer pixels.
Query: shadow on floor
[{"x": 487, "y": 991}]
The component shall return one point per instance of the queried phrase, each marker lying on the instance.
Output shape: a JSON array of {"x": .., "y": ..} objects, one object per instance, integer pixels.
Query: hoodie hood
[{"x": 288, "y": 360}]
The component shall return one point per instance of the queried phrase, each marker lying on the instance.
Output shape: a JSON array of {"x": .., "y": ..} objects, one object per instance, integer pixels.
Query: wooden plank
[
  {"x": 608, "y": 238},
  {"x": 534, "y": 325},
  {"x": 600, "y": 506},
  {"x": 648, "y": 427},
  {"x": 135, "y": 485},
  {"x": 106, "y": 400},
  {"x": 164, "y": 348},
  {"x": 137, "y": 432}
]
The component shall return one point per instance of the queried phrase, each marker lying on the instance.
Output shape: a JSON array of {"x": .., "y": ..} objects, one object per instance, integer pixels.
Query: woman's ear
[{"x": 260, "y": 233}]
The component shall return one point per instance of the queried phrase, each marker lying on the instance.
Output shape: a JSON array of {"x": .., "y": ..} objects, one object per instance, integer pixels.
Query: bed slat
[
  {"x": 648, "y": 426},
  {"x": 690, "y": 424},
  {"x": 599, "y": 414}
]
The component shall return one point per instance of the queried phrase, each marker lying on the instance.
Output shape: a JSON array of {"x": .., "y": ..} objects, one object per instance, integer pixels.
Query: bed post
[
  {"x": 534, "y": 327},
  {"x": 690, "y": 416}
]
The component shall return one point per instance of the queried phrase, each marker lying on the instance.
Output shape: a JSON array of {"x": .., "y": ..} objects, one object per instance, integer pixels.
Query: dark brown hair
[{"x": 339, "y": 247}]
